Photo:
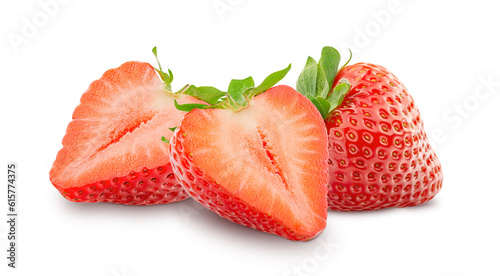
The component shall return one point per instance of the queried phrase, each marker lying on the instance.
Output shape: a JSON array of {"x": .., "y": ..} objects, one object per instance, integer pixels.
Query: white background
[{"x": 443, "y": 51}]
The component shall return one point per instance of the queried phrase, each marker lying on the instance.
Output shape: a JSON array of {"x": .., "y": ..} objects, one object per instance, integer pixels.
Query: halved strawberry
[
  {"x": 257, "y": 158},
  {"x": 112, "y": 150},
  {"x": 379, "y": 153}
]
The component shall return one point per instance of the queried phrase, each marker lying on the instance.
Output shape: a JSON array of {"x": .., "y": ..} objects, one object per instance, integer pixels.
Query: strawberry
[
  {"x": 379, "y": 152},
  {"x": 112, "y": 150},
  {"x": 258, "y": 158}
]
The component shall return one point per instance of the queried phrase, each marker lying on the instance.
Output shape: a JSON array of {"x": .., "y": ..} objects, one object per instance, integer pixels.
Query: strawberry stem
[{"x": 166, "y": 77}]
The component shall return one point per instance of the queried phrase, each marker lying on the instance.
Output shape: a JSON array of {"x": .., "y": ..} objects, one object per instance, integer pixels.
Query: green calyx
[
  {"x": 316, "y": 81},
  {"x": 207, "y": 94},
  {"x": 238, "y": 95}
]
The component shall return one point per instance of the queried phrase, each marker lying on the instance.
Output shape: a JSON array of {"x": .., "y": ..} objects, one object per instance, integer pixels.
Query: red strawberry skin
[
  {"x": 112, "y": 150},
  {"x": 145, "y": 187},
  {"x": 379, "y": 153},
  {"x": 232, "y": 163}
]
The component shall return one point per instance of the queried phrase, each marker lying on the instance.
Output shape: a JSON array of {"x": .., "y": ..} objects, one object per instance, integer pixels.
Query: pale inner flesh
[{"x": 269, "y": 156}]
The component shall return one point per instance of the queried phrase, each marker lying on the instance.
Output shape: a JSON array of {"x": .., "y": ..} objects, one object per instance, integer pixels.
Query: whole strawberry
[
  {"x": 379, "y": 154},
  {"x": 257, "y": 158}
]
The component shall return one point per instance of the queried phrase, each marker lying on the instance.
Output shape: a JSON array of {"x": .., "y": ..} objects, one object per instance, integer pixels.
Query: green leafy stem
[
  {"x": 316, "y": 81},
  {"x": 237, "y": 97},
  {"x": 239, "y": 93}
]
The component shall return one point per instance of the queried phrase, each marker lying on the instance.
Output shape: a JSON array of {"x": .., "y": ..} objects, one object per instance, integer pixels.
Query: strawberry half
[
  {"x": 112, "y": 150},
  {"x": 258, "y": 158},
  {"x": 379, "y": 152}
]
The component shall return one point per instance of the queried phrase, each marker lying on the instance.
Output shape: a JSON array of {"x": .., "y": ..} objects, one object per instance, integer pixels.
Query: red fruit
[
  {"x": 379, "y": 153},
  {"x": 112, "y": 150},
  {"x": 262, "y": 166}
]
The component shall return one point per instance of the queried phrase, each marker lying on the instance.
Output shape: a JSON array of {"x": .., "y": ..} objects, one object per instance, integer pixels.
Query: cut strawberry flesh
[
  {"x": 117, "y": 129},
  {"x": 270, "y": 157}
]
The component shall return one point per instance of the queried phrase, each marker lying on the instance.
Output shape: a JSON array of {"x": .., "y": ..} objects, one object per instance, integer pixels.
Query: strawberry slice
[
  {"x": 257, "y": 158},
  {"x": 112, "y": 150},
  {"x": 380, "y": 156}
]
